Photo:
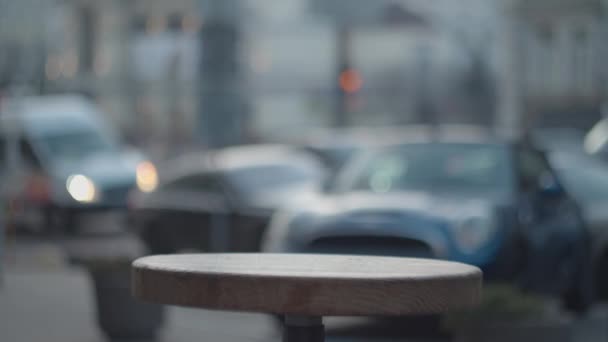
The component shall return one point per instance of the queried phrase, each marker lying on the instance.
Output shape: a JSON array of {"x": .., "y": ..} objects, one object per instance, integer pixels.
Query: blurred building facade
[
  {"x": 560, "y": 58},
  {"x": 26, "y": 29},
  {"x": 139, "y": 60},
  {"x": 509, "y": 63}
]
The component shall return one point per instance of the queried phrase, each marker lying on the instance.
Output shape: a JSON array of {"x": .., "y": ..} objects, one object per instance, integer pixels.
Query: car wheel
[
  {"x": 58, "y": 221},
  {"x": 579, "y": 298},
  {"x": 602, "y": 276},
  {"x": 71, "y": 223}
]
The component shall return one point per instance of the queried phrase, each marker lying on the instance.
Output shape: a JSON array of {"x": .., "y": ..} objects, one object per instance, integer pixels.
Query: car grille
[
  {"x": 370, "y": 245},
  {"x": 116, "y": 195}
]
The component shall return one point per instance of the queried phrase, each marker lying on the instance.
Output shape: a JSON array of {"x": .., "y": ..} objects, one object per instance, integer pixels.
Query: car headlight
[
  {"x": 146, "y": 176},
  {"x": 82, "y": 189},
  {"x": 473, "y": 233}
]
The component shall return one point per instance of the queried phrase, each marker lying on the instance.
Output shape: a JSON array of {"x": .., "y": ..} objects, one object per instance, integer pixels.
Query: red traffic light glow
[{"x": 350, "y": 81}]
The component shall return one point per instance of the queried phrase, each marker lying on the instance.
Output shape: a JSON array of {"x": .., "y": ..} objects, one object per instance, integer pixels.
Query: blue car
[{"x": 493, "y": 203}]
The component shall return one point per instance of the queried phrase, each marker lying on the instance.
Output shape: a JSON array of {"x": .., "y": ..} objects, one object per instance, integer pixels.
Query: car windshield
[
  {"x": 268, "y": 177},
  {"x": 75, "y": 145},
  {"x": 426, "y": 167},
  {"x": 334, "y": 157}
]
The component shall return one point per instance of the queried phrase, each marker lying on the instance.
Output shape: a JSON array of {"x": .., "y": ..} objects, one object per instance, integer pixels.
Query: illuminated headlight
[
  {"x": 81, "y": 188},
  {"x": 146, "y": 176},
  {"x": 473, "y": 233}
]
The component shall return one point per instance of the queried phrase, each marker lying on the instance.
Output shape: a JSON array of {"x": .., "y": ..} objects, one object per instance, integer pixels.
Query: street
[
  {"x": 474, "y": 133},
  {"x": 43, "y": 298}
]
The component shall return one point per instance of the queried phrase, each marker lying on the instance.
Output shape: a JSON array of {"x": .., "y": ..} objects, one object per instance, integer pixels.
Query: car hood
[
  {"x": 443, "y": 205},
  {"x": 596, "y": 216},
  {"x": 289, "y": 195},
  {"x": 105, "y": 169},
  {"x": 596, "y": 212},
  {"x": 413, "y": 216}
]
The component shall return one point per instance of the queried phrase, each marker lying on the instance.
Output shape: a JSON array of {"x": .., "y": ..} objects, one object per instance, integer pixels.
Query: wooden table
[{"x": 306, "y": 287}]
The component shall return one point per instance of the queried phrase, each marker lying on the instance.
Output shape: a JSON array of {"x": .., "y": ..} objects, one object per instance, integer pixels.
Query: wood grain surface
[{"x": 305, "y": 284}]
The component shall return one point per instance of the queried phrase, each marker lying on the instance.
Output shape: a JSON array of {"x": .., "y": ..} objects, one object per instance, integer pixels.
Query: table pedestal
[{"x": 303, "y": 329}]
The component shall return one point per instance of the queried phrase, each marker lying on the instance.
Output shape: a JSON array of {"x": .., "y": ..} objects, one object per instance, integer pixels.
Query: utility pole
[
  {"x": 343, "y": 67},
  {"x": 87, "y": 24},
  {"x": 223, "y": 105},
  {"x": 424, "y": 106},
  {"x": 128, "y": 84},
  {"x": 509, "y": 109}
]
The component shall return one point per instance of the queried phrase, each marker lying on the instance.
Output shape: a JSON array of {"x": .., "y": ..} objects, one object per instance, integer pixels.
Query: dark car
[
  {"x": 587, "y": 179},
  {"x": 222, "y": 200},
  {"x": 493, "y": 203}
]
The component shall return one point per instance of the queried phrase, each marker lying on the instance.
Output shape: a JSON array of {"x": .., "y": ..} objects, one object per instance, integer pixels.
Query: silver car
[{"x": 63, "y": 166}]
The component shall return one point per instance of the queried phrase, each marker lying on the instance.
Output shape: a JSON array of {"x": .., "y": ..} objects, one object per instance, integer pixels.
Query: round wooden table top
[{"x": 307, "y": 284}]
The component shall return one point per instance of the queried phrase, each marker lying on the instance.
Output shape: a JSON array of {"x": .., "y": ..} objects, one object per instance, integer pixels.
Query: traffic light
[{"x": 350, "y": 81}]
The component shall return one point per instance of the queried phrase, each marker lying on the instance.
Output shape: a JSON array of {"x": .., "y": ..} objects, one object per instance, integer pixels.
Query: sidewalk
[
  {"x": 44, "y": 299},
  {"x": 58, "y": 306}
]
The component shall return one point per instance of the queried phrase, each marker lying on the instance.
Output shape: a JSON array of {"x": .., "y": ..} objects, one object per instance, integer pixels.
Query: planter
[
  {"x": 507, "y": 315},
  {"x": 108, "y": 262},
  {"x": 119, "y": 315},
  {"x": 523, "y": 331}
]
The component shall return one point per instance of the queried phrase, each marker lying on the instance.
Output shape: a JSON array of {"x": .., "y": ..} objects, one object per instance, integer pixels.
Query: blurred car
[
  {"x": 493, "y": 203},
  {"x": 222, "y": 200},
  {"x": 587, "y": 180},
  {"x": 63, "y": 166}
]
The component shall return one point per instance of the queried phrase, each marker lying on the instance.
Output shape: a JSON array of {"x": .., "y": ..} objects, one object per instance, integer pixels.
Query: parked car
[
  {"x": 222, "y": 200},
  {"x": 587, "y": 179},
  {"x": 490, "y": 202},
  {"x": 63, "y": 165}
]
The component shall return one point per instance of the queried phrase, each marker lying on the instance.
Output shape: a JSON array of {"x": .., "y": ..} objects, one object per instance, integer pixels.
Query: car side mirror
[{"x": 549, "y": 186}]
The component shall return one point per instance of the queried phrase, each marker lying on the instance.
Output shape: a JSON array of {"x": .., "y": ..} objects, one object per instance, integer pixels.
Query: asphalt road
[{"x": 45, "y": 298}]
